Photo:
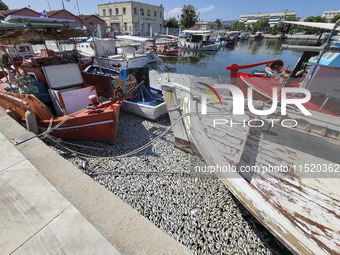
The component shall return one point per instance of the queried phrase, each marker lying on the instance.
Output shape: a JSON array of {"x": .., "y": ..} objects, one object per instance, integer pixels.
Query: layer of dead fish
[{"x": 159, "y": 182}]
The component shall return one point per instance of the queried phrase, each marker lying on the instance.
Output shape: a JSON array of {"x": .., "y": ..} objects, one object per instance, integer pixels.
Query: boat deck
[{"x": 264, "y": 87}]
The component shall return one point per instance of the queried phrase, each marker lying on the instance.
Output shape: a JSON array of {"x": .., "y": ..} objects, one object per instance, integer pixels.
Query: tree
[
  {"x": 219, "y": 23},
  {"x": 335, "y": 18},
  {"x": 227, "y": 27},
  {"x": 3, "y": 6},
  {"x": 291, "y": 18},
  {"x": 237, "y": 26},
  {"x": 275, "y": 28},
  {"x": 172, "y": 22},
  {"x": 262, "y": 25},
  {"x": 189, "y": 16},
  {"x": 313, "y": 19}
]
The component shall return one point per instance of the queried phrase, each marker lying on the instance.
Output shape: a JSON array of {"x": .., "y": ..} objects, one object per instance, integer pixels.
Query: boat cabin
[
  {"x": 64, "y": 84},
  {"x": 21, "y": 51}
]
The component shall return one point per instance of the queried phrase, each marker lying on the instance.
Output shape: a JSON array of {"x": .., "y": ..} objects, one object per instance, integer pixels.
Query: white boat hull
[
  {"x": 145, "y": 111},
  {"x": 129, "y": 62},
  {"x": 299, "y": 208}
]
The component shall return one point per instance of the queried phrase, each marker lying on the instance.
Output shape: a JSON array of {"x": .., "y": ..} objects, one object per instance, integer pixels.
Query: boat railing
[
  {"x": 319, "y": 94},
  {"x": 308, "y": 48},
  {"x": 235, "y": 68}
]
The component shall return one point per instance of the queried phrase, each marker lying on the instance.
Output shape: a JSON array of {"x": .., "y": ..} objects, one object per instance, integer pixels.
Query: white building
[
  {"x": 206, "y": 25},
  {"x": 132, "y": 17},
  {"x": 328, "y": 15},
  {"x": 274, "y": 18}
]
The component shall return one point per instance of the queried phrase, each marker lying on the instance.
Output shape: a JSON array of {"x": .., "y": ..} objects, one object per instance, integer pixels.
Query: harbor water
[{"x": 213, "y": 64}]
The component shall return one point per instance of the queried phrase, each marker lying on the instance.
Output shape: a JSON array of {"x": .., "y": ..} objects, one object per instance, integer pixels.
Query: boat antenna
[
  {"x": 78, "y": 7},
  {"x": 49, "y": 6}
]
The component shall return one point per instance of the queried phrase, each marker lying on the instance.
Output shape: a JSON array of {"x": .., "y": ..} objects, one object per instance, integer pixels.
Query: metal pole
[
  {"x": 96, "y": 53},
  {"x": 99, "y": 31},
  {"x": 78, "y": 7},
  {"x": 49, "y": 6},
  {"x": 324, "y": 47}
]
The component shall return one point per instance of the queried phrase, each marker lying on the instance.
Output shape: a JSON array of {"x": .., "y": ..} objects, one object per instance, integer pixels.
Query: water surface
[{"x": 213, "y": 64}]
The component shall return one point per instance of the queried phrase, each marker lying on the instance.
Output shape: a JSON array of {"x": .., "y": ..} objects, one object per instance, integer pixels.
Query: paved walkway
[
  {"x": 49, "y": 206},
  {"x": 35, "y": 218}
]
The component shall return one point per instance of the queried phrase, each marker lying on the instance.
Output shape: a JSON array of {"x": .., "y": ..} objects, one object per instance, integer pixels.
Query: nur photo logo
[{"x": 295, "y": 97}]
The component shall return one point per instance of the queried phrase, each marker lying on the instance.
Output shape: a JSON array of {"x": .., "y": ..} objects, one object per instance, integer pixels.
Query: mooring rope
[{"x": 87, "y": 156}]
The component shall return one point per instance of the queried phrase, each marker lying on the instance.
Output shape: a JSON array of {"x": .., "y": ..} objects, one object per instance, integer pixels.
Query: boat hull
[
  {"x": 300, "y": 208},
  {"x": 98, "y": 124},
  {"x": 151, "y": 112}
]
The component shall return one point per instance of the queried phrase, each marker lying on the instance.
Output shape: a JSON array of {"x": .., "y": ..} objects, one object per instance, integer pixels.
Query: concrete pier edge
[{"x": 123, "y": 226}]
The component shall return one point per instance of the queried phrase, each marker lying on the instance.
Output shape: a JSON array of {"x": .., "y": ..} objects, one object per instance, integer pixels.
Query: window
[
  {"x": 148, "y": 12},
  {"x": 135, "y": 11},
  {"x": 32, "y": 75},
  {"x": 155, "y": 14},
  {"x": 161, "y": 14},
  {"x": 117, "y": 11},
  {"x": 124, "y": 10},
  {"x": 91, "y": 23},
  {"x": 104, "y": 12},
  {"x": 142, "y": 11},
  {"x": 24, "y": 49},
  {"x": 136, "y": 27},
  {"x": 110, "y": 11},
  {"x": 125, "y": 26}
]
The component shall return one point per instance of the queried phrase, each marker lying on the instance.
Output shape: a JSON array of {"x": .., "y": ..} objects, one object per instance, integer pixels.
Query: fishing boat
[
  {"x": 282, "y": 164},
  {"x": 167, "y": 50},
  {"x": 166, "y": 46},
  {"x": 49, "y": 96},
  {"x": 23, "y": 53},
  {"x": 198, "y": 41},
  {"x": 117, "y": 53},
  {"x": 244, "y": 35},
  {"x": 146, "y": 102},
  {"x": 137, "y": 46}
]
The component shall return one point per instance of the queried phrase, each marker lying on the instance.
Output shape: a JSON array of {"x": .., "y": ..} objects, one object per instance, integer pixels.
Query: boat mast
[{"x": 78, "y": 7}]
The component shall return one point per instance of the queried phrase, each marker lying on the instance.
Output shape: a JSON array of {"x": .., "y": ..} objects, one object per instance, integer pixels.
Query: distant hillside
[{"x": 229, "y": 22}]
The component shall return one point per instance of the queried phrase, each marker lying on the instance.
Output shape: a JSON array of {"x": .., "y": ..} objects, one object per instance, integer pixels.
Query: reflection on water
[{"x": 213, "y": 64}]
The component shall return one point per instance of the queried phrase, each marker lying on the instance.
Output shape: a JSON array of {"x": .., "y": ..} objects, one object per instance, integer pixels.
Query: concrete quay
[
  {"x": 48, "y": 206},
  {"x": 296, "y": 37}
]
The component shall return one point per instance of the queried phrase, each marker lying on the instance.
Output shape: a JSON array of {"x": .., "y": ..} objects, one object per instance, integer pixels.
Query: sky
[{"x": 209, "y": 10}]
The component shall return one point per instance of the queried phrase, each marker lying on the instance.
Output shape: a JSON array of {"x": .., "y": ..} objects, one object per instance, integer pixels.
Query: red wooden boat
[
  {"x": 166, "y": 50},
  {"x": 263, "y": 83},
  {"x": 61, "y": 103}
]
